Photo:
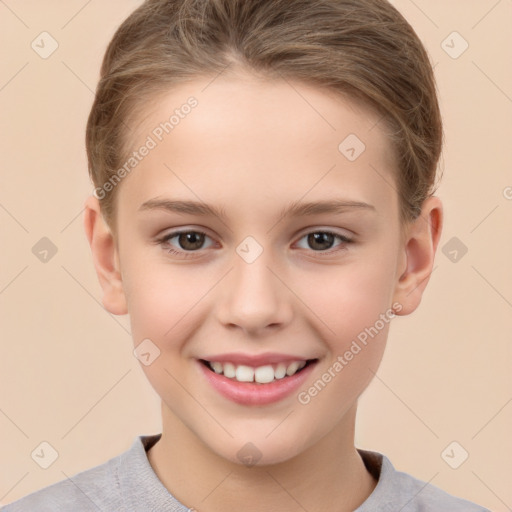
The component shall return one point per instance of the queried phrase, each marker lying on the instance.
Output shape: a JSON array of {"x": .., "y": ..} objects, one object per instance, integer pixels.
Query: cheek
[
  {"x": 352, "y": 298},
  {"x": 157, "y": 297},
  {"x": 356, "y": 308}
]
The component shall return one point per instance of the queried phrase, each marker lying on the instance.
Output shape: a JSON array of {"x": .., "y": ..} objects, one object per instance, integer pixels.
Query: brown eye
[
  {"x": 186, "y": 243},
  {"x": 322, "y": 241},
  {"x": 190, "y": 240}
]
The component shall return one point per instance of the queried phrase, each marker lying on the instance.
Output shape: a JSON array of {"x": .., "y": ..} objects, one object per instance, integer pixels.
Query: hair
[{"x": 362, "y": 49}]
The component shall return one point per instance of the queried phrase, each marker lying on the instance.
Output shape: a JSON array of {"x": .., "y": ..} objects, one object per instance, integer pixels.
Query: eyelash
[{"x": 190, "y": 254}]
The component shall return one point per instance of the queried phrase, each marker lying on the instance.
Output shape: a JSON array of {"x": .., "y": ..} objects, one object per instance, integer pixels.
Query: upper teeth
[{"x": 261, "y": 374}]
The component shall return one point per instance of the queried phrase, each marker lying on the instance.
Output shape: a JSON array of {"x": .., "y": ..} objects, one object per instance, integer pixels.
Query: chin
[{"x": 259, "y": 452}]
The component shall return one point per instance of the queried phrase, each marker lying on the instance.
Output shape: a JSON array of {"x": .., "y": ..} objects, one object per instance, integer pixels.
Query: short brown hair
[{"x": 361, "y": 48}]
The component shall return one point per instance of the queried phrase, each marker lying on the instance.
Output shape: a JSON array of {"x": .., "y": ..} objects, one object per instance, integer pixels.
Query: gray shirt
[{"x": 127, "y": 483}]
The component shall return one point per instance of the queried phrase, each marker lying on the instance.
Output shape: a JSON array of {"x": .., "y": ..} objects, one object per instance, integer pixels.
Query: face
[{"x": 248, "y": 282}]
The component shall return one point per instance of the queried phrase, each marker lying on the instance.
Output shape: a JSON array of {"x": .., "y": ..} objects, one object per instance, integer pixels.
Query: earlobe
[
  {"x": 420, "y": 249},
  {"x": 105, "y": 257}
]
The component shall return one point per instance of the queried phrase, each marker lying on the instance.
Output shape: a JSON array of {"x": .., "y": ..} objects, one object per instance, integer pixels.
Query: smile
[
  {"x": 261, "y": 374},
  {"x": 256, "y": 381}
]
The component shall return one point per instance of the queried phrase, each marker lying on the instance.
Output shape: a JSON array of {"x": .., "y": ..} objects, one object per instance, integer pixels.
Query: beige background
[{"x": 68, "y": 375}]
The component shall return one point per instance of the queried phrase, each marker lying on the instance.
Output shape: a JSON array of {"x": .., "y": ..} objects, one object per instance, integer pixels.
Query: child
[{"x": 264, "y": 175}]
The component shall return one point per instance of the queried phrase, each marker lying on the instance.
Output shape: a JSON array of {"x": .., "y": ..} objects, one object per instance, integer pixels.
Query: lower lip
[{"x": 251, "y": 393}]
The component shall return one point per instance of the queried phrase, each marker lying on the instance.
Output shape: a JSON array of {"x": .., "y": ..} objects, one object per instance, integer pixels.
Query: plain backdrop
[{"x": 68, "y": 376}]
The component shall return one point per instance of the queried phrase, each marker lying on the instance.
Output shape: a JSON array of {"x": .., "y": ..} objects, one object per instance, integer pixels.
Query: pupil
[
  {"x": 195, "y": 239},
  {"x": 318, "y": 238}
]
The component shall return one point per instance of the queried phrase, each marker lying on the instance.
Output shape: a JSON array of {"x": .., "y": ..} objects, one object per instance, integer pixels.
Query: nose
[{"x": 254, "y": 297}]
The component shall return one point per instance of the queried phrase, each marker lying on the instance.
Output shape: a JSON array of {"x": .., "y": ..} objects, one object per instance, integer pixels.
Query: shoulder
[
  {"x": 94, "y": 489},
  {"x": 425, "y": 496},
  {"x": 397, "y": 490}
]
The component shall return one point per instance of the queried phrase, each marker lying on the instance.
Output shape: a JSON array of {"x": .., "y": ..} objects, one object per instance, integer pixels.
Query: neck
[{"x": 329, "y": 476}]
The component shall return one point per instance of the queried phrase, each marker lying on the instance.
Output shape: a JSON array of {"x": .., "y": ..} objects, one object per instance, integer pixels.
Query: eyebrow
[{"x": 294, "y": 209}]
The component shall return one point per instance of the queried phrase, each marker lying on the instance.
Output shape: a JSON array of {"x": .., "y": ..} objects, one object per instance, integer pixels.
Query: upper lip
[{"x": 255, "y": 360}]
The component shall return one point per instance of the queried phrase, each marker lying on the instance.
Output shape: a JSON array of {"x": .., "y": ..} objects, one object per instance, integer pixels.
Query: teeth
[
  {"x": 264, "y": 374},
  {"x": 244, "y": 374},
  {"x": 280, "y": 371},
  {"x": 229, "y": 370},
  {"x": 261, "y": 374},
  {"x": 216, "y": 367},
  {"x": 292, "y": 368}
]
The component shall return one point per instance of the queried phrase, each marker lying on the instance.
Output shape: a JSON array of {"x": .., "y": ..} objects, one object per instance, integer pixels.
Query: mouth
[
  {"x": 256, "y": 380},
  {"x": 263, "y": 374}
]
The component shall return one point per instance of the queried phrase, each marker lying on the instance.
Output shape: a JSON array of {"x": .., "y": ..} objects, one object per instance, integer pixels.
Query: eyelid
[
  {"x": 344, "y": 239},
  {"x": 326, "y": 229},
  {"x": 172, "y": 234},
  {"x": 184, "y": 254},
  {"x": 303, "y": 232},
  {"x": 181, "y": 253}
]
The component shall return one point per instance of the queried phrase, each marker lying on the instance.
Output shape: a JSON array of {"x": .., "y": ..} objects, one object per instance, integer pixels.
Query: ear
[
  {"x": 421, "y": 241},
  {"x": 105, "y": 257}
]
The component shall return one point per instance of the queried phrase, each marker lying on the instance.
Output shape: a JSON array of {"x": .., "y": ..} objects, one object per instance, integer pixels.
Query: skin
[{"x": 253, "y": 146}]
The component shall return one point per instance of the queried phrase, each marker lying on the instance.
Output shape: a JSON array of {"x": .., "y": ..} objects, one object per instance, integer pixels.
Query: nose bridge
[{"x": 254, "y": 297}]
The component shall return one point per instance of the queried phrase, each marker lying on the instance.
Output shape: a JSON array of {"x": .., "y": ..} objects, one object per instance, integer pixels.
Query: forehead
[{"x": 261, "y": 139}]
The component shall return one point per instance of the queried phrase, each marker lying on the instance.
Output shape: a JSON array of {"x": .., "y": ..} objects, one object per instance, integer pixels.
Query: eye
[
  {"x": 187, "y": 241},
  {"x": 322, "y": 241}
]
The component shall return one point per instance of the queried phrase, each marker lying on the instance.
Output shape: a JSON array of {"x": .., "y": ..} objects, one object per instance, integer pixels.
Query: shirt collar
[{"x": 140, "y": 487}]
